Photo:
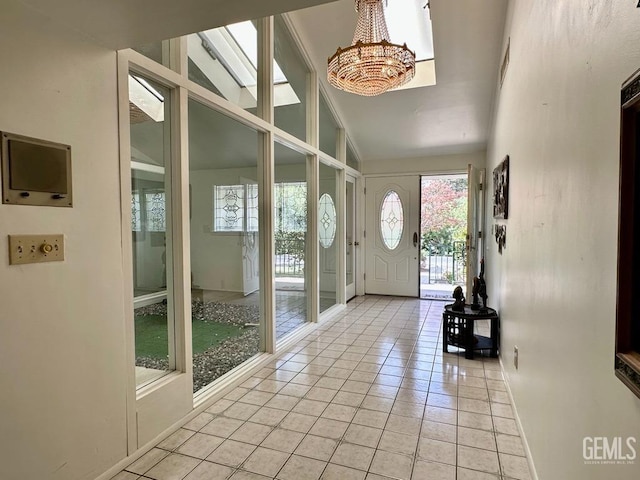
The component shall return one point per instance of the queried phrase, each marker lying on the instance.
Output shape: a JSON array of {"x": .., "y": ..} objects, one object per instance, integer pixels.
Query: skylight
[
  {"x": 246, "y": 35},
  {"x": 146, "y": 98},
  {"x": 228, "y": 58},
  {"x": 409, "y": 22},
  {"x": 236, "y": 46}
]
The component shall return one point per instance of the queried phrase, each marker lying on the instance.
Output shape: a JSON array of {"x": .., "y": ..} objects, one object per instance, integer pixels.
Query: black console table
[{"x": 457, "y": 330}]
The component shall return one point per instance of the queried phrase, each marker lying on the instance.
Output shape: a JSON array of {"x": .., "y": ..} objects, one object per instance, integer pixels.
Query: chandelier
[{"x": 372, "y": 64}]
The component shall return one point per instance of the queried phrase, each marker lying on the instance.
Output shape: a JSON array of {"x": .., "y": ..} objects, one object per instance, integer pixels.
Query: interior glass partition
[
  {"x": 150, "y": 114},
  {"x": 225, "y": 256},
  {"x": 290, "y": 239},
  {"x": 291, "y": 79},
  {"x": 225, "y": 202},
  {"x": 327, "y": 236},
  {"x": 328, "y": 128}
]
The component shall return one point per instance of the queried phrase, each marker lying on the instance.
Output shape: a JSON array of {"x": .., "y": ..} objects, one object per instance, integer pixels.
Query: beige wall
[
  {"x": 557, "y": 116},
  {"x": 435, "y": 164},
  {"x": 62, "y": 378}
]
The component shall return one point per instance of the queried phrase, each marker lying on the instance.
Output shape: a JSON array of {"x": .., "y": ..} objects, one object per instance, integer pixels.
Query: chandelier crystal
[{"x": 372, "y": 64}]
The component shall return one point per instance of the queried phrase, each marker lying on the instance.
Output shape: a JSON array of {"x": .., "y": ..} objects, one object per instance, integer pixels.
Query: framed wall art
[
  {"x": 500, "y": 232},
  {"x": 501, "y": 189}
]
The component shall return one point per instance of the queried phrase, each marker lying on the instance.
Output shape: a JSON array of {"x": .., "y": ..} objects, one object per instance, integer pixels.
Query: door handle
[
  {"x": 356, "y": 243},
  {"x": 350, "y": 243},
  {"x": 415, "y": 239}
]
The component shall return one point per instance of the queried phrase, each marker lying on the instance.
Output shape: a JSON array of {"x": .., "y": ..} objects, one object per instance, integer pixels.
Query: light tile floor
[{"x": 367, "y": 396}]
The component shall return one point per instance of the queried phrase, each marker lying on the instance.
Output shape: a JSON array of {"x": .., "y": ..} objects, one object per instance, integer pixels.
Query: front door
[{"x": 391, "y": 235}]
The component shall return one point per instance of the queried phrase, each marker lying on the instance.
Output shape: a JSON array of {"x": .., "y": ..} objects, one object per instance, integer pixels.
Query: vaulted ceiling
[{"x": 453, "y": 116}]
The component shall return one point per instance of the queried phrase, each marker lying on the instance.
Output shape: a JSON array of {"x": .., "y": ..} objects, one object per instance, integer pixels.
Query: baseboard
[{"x": 525, "y": 443}]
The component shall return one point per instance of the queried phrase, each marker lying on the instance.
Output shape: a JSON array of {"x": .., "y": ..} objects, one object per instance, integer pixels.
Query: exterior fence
[
  {"x": 290, "y": 252},
  {"x": 445, "y": 263}
]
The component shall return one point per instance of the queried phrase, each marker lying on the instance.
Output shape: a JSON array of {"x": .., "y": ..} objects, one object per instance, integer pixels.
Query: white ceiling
[{"x": 451, "y": 117}]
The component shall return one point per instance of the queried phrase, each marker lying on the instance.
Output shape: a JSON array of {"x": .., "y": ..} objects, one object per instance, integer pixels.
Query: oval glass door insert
[
  {"x": 327, "y": 221},
  {"x": 391, "y": 220}
]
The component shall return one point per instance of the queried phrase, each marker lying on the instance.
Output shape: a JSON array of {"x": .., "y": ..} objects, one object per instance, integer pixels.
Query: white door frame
[{"x": 351, "y": 289}]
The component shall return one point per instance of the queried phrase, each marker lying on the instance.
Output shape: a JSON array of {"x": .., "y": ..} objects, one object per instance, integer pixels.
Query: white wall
[
  {"x": 62, "y": 353},
  {"x": 557, "y": 116},
  {"x": 433, "y": 164}
]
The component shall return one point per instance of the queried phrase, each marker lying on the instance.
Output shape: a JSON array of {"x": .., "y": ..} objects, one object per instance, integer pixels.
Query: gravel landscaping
[{"x": 217, "y": 360}]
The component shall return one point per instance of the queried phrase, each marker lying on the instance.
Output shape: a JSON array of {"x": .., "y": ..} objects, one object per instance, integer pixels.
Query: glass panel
[
  {"x": 328, "y": 128},
  {"x": 290, "y": 232},
  {"x": 156, "y": 51},
  {"x": 225, "y": 61},
  {"x": 326, "y": 221},
  {"x": 225, "y": 273},
  {"x": 290, "y": 91},
  {"x": 149, "y": 106},
  {"x": 328, "y": 252},
  {"x": 391, "y": 220},
  {"x": 350, "y": 207},
  {"x": 352, "y": 160}
]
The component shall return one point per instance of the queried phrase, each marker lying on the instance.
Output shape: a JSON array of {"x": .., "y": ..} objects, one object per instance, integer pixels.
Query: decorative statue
[
  {"x": 482, "y": 287},
  {"x": 458, "y": 305},
  {"x": 476, "y": 290}
]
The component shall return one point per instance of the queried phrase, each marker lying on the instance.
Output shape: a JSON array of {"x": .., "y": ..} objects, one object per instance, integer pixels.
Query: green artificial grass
[{"x": 152, "y": 340}]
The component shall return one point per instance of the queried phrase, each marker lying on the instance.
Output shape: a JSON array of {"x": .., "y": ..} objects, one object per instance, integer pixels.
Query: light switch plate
[{"x": 36, "y": 248}]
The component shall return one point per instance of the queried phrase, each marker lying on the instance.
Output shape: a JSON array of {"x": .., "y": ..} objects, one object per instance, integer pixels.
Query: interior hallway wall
[
  {"x": 62, "y": 341},
  {"x": 557, "y": 116}
]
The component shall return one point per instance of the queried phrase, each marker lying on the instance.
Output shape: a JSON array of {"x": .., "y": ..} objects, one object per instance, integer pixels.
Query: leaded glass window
[
  {"x": 136, "y": 220},
  {"x": 252, "y": 207},
  {"x": 326, "y": 220},
  {"x": 228, "y": 207},
  {"x": 156, "y": 216},
  {"x": 391, "y": 220}
]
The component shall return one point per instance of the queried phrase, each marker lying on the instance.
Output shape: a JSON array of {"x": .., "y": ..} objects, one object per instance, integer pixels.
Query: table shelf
[{"x": 458, "y": 330}]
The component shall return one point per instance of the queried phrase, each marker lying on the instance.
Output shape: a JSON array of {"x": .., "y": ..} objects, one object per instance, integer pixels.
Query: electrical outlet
[
  {"x": 35, "y": 248},
  {"x": 515, "y": 357}
]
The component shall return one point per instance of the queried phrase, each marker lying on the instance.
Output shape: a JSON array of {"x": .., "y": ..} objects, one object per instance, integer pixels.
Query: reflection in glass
[
  {"x": 329, "y": 251},
  {"x": 290, "y": 232},
  {"x": 225, "y": 273},
  {"x": 391, "y": 220},
  {"x": 149, "y": 107},
  {"x": 352, "y": 160},
  {"x": 156, "y": 51},
  {"x": 290, "y": 93},
  {"x": 328, "y": 128}
]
